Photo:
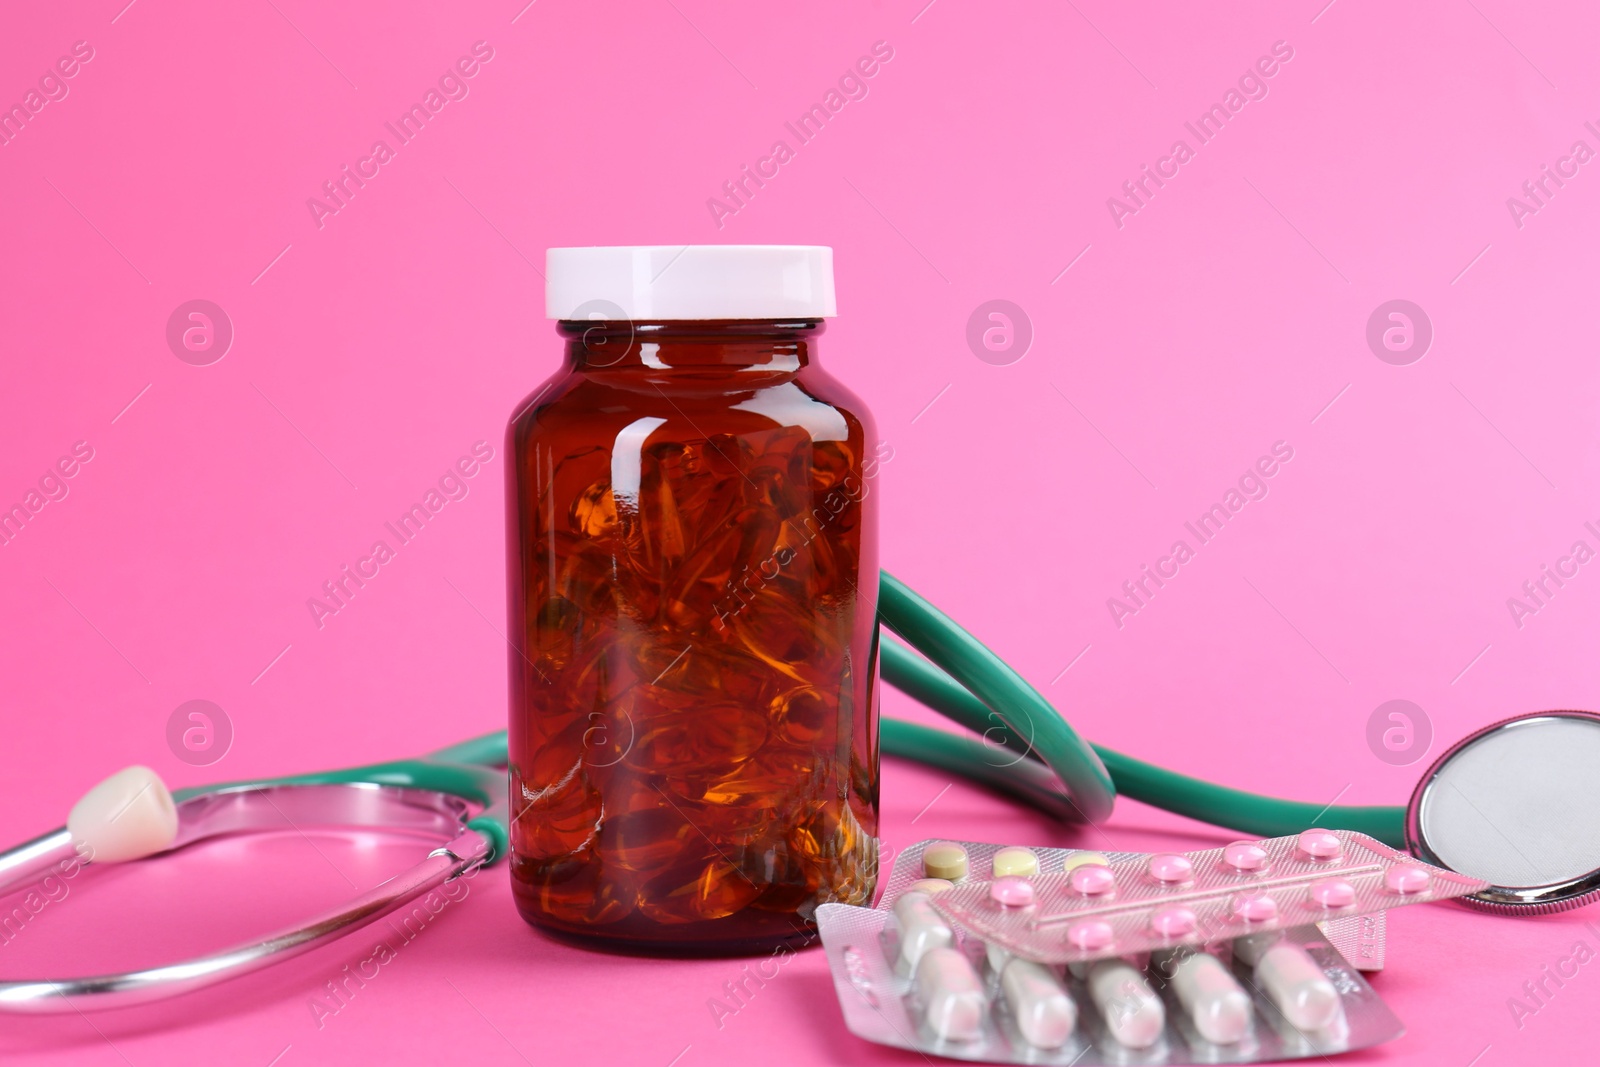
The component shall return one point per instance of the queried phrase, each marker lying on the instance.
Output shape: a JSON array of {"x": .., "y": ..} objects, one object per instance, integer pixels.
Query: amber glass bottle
[{"x": 693, "y": 588}]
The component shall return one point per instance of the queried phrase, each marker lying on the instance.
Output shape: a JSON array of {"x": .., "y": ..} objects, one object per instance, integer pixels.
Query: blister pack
[
  {"x": 1361, "y": 939},
  {"x": 905, "y": 979},
  {"x": 1095, "y": 906}
]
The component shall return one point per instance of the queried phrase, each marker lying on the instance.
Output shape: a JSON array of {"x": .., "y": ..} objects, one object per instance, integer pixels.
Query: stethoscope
[{"x": 1510, "y": 804}]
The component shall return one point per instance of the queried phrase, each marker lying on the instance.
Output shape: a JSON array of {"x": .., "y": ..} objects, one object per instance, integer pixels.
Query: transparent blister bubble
[
  {"x": 1361, "y": 939},
  {"x": 888, "y": 1006},
  {"x": 1142, "y": 903}
]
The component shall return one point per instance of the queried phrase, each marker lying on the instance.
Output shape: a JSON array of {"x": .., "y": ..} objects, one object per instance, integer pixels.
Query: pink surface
[{"x": 1203, "y": 341}]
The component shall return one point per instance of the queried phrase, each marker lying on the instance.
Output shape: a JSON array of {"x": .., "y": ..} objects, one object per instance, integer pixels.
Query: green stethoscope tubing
[
  {"x": 975, "y": 689},
  {"x": 1048, "y": 739},
  {"x": 986, "y": 682}
]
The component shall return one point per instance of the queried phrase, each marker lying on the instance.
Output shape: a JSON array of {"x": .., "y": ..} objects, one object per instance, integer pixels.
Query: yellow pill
[
  {"x": 944, "y": 860},
  {"x": 930, "y": 886},
  {"x": 1078, "y": 859},
  {"x": 1016, "y": 860}
]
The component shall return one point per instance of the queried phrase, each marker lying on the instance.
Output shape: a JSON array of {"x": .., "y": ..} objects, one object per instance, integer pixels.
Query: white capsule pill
[
  {"x": 944, "y": 859},
  {"x": 1132, "y": 1011},
  {"x": 1216, "y": 1004},
  {"x": 952, "y": 996},
  {"x": 921, "y": 930},
  {"x": 1023, "y": 862},
  {"x": 1039, "y": 1002},
  {"x": 997, "y": 957},
  {"x": 1288, "y": 974},
  {"x": 1251, "y": 947}
]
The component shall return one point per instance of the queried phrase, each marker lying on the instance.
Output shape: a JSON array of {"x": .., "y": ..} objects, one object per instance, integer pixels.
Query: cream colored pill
[
  {"x": 1132, "y": 1012},
  {"x": 1044, "y": 1012},
  {"x": 1078, "y": 859},
  {"x": 952, "y": 997},
  {"x": 1216, "y": 1004},
  {"x": 930, "y": 886},
  {"x": 1023, "y": 862},
  {"x": 1288, "y": 974},
  {"x": 944, "y": 860},
  {"x": 921, "y": 930}
]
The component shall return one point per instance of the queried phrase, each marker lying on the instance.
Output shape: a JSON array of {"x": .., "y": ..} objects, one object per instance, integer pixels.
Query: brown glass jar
[{"x": 693, "y": 590}]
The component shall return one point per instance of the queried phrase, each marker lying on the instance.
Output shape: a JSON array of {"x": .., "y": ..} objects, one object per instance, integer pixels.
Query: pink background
[{"x": 370, "y": 353}]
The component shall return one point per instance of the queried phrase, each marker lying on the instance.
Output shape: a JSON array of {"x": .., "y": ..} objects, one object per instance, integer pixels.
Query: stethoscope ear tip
[{"x": 128, "y": 816}]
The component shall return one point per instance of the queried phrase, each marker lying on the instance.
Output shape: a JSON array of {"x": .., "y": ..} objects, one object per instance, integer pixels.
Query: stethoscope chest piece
[{"x": 1516, "y": 804}]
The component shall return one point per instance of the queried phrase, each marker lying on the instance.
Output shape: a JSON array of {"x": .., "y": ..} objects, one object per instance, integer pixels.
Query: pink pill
[
  {"x": 1171, "y": 869},
  {"x": 1245, "y": 856},
  {"x": 1333, "y": 893},
  {"x": 1406, "y": 879},
  {"x": 1090, "y": 935},
  {"x": 1173, "y": 922},
  {"x": 1091, "y": 879},
  {"x": 1320, "y": 844},
  {"x": 1255, "y": 908},
  {"x": 1012, "y": 891}
]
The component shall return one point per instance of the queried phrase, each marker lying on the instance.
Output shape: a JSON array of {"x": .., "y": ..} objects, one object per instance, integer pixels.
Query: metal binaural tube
[
  {"x": 408, "y": 811},
  {"x": 35, "y": 859}
]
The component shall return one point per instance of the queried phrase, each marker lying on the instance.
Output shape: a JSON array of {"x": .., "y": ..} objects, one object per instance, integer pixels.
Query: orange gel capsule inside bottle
[{"x": 693, "y": 591}]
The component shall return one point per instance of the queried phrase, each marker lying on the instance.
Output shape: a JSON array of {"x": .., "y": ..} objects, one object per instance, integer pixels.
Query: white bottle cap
[{"x": 663, "y": 282}]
